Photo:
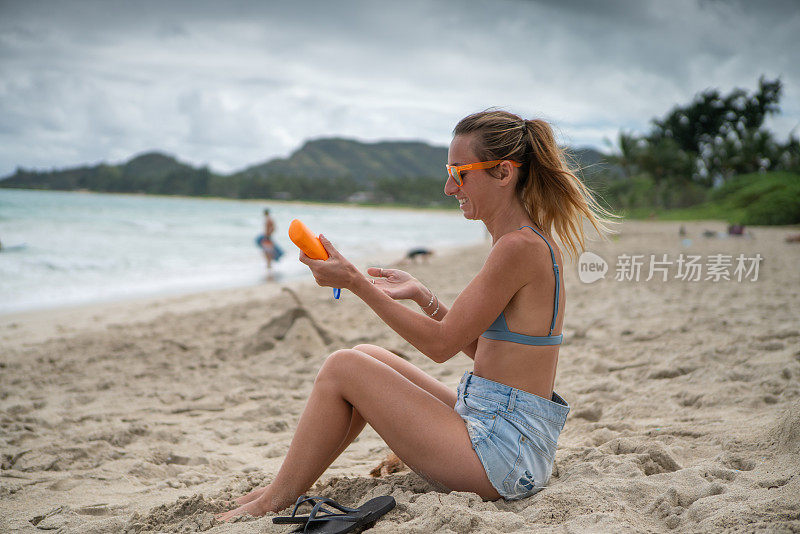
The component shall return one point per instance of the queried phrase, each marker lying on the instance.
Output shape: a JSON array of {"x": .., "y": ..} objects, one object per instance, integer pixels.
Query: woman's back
[{"x": 524, "y": 366}]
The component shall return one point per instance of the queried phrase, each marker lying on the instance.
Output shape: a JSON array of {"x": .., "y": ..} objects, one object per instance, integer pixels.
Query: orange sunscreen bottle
[
  {"x": 310, "y": 245},
  {"x": 306, "y": 241}
]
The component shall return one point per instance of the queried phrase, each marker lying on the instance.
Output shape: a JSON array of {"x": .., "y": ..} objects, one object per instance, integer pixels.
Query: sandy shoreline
[{"x": 146, "y": 416}]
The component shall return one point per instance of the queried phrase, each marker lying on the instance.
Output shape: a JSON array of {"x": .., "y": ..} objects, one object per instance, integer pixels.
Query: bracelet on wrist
[
  {"x": 437, "y": 308},
  {"x": 428, "y": 305}
]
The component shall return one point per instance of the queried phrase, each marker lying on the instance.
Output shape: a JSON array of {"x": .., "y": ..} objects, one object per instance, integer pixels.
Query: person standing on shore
[
  {"x": 267, "y": 244},
  {"x": 496, "y": 434}
]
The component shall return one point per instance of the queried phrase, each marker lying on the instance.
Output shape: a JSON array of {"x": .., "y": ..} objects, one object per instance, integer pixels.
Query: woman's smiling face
[{"x": 474, "y": 181}]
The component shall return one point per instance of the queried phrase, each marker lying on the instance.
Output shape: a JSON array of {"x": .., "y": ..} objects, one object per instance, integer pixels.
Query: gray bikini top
[{"x": 499, "y": 328}]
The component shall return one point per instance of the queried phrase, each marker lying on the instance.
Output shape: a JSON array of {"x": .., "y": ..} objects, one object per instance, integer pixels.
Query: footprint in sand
[
  {"x": 689, "y": 399},
  {"x": 120, "y": 437},
  {"x": 176, "y": 459},
  {"x": 652, "y": 457},
  {"x": 94, "y": 509},
  {"x": 720, "y": 473},
  {"x": 670, "y": 372},
  {"x": 64, "y": 484},
  {"x": 277, "y": 426},
  {"x": 773, "y": 483},
  {"x": 737, "y": 462},
  {"x": 275, "y": 450},
  {"x": 673, "y": 503},
  {"x": 591, "y": 413}
]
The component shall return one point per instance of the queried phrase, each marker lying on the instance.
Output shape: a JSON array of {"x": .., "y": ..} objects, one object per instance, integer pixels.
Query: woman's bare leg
[
  {"x": 357, "y": 422},
  {"x": 427, "y": 434}
]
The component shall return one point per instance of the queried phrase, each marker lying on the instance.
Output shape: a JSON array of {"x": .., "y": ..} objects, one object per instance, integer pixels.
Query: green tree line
[
  {"x": 692, "y": 153},
  {"x": 201, "y": 182}
]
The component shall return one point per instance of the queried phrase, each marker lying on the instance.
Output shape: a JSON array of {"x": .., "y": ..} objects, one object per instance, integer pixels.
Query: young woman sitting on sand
[{"x": 496, "y": 435}]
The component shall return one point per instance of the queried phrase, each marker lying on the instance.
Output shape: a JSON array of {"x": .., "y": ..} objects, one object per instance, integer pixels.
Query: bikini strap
[{"x": 555, "y": 270}]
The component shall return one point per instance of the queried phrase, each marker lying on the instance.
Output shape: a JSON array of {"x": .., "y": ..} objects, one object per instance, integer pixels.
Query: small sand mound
[
  {"x": 279, "y": 326},
  {"x": 785, "y": 434},
  {"x": 187, "y": 514},
  {"x": 350, "y": 491}
]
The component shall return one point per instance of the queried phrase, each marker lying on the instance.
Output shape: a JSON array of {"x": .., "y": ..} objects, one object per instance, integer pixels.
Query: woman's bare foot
[
  {"x": 250, "y": 497},
  {"x": 256, "y": 507}
]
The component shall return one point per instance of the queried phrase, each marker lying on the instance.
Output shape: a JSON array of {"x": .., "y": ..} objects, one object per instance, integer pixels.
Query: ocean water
[{"x": 67, "y": 248}]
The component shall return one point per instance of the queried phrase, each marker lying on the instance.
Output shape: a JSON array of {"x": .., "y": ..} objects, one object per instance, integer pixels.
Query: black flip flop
[
  {"x": 316, "y": 503},
  {"x": 353, "y": 518}
]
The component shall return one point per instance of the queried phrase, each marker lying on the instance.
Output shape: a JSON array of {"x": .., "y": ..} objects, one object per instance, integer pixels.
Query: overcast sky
[{"x": 229, "y": 84}]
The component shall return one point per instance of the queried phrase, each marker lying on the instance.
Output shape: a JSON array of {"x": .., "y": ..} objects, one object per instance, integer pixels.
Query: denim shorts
[{"x": 513, "y": 432}]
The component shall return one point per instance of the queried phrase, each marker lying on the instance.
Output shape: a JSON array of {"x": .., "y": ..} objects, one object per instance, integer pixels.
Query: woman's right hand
[{"x": 397, "y": 284}]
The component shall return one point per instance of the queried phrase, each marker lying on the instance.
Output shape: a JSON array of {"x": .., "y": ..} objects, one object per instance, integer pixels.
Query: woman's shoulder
[
  {"x": 524, "y": 240},
  {"x": 522, "y": 247}
]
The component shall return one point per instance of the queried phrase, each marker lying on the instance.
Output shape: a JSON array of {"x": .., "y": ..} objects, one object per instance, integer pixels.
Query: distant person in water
[{"x": 270, "y": 249}]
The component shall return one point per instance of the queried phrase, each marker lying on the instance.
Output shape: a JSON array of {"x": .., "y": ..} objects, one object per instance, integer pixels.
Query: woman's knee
[
  {"x": 380, "y": 354},
  {"x": 366, "y": 348},
  {"x": 374, "y": 351},
  {"x": 337, "y": 362}
]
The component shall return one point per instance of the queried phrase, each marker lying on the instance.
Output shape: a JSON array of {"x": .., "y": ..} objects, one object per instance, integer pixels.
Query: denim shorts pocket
[
  {"x": 479, "y": 418},
  {"x": 481, "y": 405}
]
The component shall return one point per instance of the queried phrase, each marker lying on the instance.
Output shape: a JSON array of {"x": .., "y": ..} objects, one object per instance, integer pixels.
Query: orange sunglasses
[{"x": 454, "y": 171}]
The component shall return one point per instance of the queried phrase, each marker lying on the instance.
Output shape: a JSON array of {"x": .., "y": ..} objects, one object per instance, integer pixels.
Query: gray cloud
[{"x": 235, "y": 83}]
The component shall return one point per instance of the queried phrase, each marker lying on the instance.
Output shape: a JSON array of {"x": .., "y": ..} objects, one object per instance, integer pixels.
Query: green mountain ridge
[
  {"x": 337, "y": 157},
  {"x": 153, "y": 164},
  {"x": 332, "y": 169}
]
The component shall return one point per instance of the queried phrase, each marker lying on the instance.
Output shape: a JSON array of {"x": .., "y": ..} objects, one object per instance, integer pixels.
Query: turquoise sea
[{"x": 67, "y": 248}]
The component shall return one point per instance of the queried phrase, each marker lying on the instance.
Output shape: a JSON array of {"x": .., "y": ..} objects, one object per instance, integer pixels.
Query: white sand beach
[{"x": 149, "y": 416}]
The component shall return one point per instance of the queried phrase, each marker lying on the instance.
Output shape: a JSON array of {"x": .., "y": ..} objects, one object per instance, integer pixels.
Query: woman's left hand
[{"x": 336, "y": 271}]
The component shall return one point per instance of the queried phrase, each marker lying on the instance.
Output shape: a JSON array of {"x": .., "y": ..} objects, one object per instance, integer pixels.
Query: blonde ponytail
[{"x": 553, "y": 196}]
